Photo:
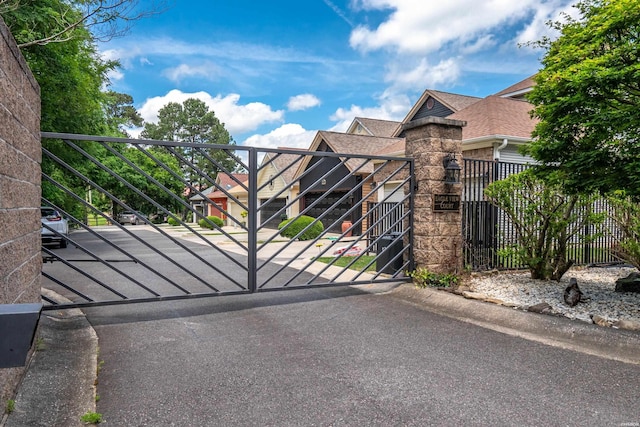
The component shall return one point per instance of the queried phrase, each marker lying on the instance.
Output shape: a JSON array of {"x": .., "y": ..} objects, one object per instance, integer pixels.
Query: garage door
[
  {"x": 267, "y": 210},
  {"x": 330, "y": 205}
]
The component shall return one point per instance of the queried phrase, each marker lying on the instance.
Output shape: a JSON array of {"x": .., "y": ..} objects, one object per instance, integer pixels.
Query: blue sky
[{"x": 275, "y": 72}]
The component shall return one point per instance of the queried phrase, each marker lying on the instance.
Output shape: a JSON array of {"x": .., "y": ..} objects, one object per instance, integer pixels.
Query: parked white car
[{"x": 52, "y": 218}]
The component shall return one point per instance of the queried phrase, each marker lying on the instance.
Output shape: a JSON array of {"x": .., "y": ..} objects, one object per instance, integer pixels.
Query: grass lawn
[
  {"x": 345, "y": 260},
  {"x": 93, "y": 221}
]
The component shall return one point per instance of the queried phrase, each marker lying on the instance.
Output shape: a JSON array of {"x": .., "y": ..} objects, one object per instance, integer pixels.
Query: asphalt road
[{"x": 341, "y": 357}]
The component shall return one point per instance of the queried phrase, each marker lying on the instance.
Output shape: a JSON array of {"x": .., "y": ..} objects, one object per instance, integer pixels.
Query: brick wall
[{"x": 20, "y": 156}]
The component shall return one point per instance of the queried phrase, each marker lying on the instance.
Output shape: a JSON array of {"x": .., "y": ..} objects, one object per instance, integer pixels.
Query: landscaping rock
[
  {"x": 631, "y": 283},
  {"x": 542, "y": 308},
  {"x": 474, "y": 295},
  {"x": 601, "y": 321},
  {"x": 627, "y": 324}
]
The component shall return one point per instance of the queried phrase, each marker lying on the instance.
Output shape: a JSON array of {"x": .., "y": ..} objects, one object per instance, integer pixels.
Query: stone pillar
[{"x": 437, "y": 226}]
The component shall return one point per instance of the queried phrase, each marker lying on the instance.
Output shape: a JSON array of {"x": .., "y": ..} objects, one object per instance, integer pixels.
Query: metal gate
[{"x": 188, "y": 244}]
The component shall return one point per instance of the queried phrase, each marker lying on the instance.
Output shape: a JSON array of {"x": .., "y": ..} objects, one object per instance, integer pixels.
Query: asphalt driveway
[{"x": 340, "y": 356}]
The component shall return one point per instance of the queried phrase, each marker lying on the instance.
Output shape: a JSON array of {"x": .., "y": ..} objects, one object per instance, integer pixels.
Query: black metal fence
[{"x": 488, "y": 232}]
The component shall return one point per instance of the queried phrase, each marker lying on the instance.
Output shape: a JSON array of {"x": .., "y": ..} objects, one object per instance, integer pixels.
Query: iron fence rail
[
  {"x": 488, "y": 231},
  {"x": 88, "y": 176}
]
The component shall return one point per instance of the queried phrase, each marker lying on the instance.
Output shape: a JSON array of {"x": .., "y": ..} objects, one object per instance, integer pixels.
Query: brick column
[{"x": 437, "y": 229}]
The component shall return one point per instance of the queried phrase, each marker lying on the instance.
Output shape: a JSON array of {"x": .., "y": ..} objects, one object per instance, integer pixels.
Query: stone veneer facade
[
  {"x": 437, "y": 235},
  {"x": 20, "y": 156}
]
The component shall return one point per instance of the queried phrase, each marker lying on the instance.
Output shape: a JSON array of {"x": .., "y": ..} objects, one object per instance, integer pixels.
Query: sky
[{"x": 275, "y": 72}]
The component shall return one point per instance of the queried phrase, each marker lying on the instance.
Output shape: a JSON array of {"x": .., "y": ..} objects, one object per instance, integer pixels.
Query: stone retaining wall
[{"x": 20, "y": 156}]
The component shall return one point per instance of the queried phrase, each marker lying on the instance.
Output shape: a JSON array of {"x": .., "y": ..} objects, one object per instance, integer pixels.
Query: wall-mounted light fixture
[{"x": 451, "y": 169}]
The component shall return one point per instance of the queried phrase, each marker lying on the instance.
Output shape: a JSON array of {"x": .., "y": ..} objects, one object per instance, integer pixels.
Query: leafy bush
[
  {"x": 214, "y": 219},
  {"x": 291, "y": 227},
  {"x": 545, "y": 219},
  {"x": 424, "y": 278},
  {"x": 172, "y": 221}
]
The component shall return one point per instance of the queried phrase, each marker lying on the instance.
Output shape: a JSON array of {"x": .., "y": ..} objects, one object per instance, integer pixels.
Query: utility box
[
  {"x": 389, "y": 246},
  {"x": 18, "y": 323}
]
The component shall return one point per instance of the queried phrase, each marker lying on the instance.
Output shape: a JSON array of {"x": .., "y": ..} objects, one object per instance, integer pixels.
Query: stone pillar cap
[{"x": 433, "y": 120}]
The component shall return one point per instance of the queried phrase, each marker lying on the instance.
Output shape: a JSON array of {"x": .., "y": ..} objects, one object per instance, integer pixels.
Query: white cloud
[
  {"x": 206, "y": 70},
  {"x": 538, "y": 27},
  {"x": 290, "y": 135},
  {"x": 302, "y": 102},
  {"x": 413, "y": 28},
  {"x": 392, "y": 107},
  {"x": 423, "y": 75},
  {"x": 236, "y": 117}
]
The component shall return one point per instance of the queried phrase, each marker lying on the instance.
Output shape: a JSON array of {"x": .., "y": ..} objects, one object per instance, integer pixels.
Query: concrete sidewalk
[
  {"x": 59, "y": 386},
  {"x": 60, "y": 383}
]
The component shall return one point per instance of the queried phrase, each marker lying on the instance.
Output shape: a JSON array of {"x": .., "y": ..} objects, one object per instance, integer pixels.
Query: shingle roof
[
  {"x": 377, "y": 127},
  {"x": 453, "y": 100},
  {"x": 346, "y": 143},
  {"x": 226, "y": 181},
  {"x": 281, "y": 162},
  {"x": 496, "y": 116},
  {"x": 518, "y": 87}
]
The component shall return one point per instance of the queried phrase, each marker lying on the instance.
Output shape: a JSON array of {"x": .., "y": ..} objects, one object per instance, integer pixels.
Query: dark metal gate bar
[{"x": 180, "y": 251}]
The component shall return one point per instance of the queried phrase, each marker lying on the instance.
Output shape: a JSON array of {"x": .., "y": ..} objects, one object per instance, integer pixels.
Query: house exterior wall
[
  {"x": 20, "y": 157},
  {"x": 278, "y": 185},
  {"x": 485, "y": 153}
]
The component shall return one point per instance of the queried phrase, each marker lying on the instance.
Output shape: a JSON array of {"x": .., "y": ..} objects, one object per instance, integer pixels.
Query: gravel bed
[{"x": 596, "y": 283}]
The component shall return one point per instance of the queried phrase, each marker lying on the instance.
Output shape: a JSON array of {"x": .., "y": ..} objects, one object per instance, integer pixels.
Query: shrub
[
  {"x": 424, "y": 278},
  {"x": 214, "y": 219},
  {"x": 296, "y": 225},
  {"x": 545, "y": 219},
  {"x": 172, "y": 221}
]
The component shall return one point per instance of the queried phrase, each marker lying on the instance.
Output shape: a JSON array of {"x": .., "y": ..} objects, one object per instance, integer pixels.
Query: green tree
[
  {"x": 106, "y": 19},
  {"x": 141, "y": 182},
  {"x": 192, "y": 122},
  {"x": 545, "y": 220},
  {"x": 61, "y": 52},
  {"x": 587, "y": 98}
]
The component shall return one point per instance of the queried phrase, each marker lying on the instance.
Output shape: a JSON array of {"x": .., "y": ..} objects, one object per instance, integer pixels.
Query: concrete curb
[
  {"x": 615, "y": 344},
  {"x": 59, "y": 386}
]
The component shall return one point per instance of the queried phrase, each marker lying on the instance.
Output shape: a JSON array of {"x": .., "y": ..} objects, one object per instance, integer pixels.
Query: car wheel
[{"x": 63, "y": 243}]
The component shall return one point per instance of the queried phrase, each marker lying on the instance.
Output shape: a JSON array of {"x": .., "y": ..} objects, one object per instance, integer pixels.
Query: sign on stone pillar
[{"x": 437, "y": 205}]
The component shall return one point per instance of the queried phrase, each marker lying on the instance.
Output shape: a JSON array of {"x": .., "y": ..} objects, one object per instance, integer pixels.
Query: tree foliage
[
  {"x": 106, "y": 19},
  {"x": 72, "y": 77},
  {"x": 587, "y": 98},
  {"x": 192, "y": 122},
  {"x": 545, "y": 220}
]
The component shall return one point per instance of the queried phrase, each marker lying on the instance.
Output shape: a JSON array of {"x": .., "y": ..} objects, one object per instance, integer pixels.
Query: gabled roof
[
  {"x": 519, "y": 89},
  {"x": 495, "y": 115},
  {"x": 281, "y": 162},
  {"x": 374, "y": 127},
  {"x": 452, "y": 101},
  {"x": 227, "y": 182},
  {"x": 345, "y": 143}
]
